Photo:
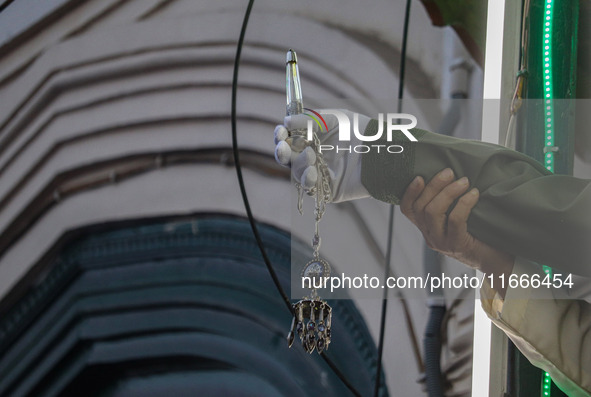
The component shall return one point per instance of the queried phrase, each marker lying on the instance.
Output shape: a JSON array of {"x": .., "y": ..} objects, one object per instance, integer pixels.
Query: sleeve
[
  {"x": 553, "y": 332},
  {"x": 523, "y": 209}
]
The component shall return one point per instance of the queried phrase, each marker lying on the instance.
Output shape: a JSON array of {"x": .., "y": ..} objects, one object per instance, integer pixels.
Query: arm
[
  {"x": 554, "y": 334},
  {"x": 523, "y": 209}
]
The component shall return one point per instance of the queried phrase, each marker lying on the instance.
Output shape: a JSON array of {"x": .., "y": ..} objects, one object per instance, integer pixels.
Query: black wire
[
  {"x": 384, "y": 304},
  {"x": 253, "y": 225},
  {"x": 5, "y": 5},
  {"x": 403, "y": 55},
  {"x": 340, "y": 375},
  {"x": 391, "y": 214},
  {"x": 251, "y": 220}
]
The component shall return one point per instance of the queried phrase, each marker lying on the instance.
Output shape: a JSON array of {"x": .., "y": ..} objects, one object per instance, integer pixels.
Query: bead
[
  {"x": 320, "y": 345},
  {"x": 300, "y": 328}
]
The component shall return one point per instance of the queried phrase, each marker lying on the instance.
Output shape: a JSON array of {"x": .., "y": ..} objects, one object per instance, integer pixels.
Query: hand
[
  {"x": 445, "y": 231},
  {"x": 344, "y": 167}
]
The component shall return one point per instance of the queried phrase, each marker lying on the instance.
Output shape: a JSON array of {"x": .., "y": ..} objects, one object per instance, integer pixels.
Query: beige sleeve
[{"x": 551, "y": 330}]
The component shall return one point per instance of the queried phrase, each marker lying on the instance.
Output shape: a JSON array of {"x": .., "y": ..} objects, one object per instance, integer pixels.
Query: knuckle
[
  {"x": 418, "y": 206},
  {"x": 454, "y": 219},
  {"x": 431, "y": 210}
]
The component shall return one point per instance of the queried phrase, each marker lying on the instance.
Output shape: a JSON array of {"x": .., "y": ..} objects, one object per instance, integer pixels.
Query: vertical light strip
[
  {"x": 549, "y": 125},
  {"x": 491, "y": 116},
  {"x": 546, "y": 382},
  {"x": 548, "y": 86}
]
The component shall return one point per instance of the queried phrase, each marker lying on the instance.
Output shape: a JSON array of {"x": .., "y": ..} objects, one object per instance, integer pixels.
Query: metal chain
[{"x": 322, "y": 194}]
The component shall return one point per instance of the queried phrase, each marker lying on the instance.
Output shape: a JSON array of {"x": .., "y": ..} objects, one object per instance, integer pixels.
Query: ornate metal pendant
[
  {"x": 313, "y": 316},
  {"x": 312, "y": 323}
]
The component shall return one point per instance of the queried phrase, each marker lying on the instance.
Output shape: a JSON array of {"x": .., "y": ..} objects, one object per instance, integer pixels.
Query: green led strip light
[
  {"x": 546, "y": 381},
  {"x": 548, "y": 86},
  {"x": 549, "y": 127}
]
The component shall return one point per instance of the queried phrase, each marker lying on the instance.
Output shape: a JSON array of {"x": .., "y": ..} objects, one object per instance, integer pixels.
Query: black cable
[
  {"x": 432, "y": 347},
  {"x": 403, "y": 55},
  {"x": 5, "y": 5},
  {"x": 253, "y": 225},
  {"x": 391, "y": 213},
  {"x": 340, "y": 375},
  {"x": 251, "y": 220},
  {"x": 384, "y": 304}
]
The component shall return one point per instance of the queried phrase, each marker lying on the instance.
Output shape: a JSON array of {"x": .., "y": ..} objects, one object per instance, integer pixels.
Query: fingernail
[
  {"x": 415, "y": 181},
  {"x": 474, "y": 192},
  {"x": 446, "y": 174},
  {"x": 463, "y": 181}
]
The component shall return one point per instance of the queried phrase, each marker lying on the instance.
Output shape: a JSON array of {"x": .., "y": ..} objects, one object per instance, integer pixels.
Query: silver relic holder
[{"x": 312, "y": 315}]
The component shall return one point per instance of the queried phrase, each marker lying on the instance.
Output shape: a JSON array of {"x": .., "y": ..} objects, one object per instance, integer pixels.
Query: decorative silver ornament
[{"x": 312, "y": 324}]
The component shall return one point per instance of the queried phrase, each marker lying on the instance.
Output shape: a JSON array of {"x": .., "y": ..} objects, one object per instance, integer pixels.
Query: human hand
[
  {"x": 428, "y": 207},
  {"x": 344, "y": 167}
]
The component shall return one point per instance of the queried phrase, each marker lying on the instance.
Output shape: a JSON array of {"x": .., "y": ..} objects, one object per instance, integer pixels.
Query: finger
[
  {"x": 303, "y": 160},
  {"x": 436, "y": 210},
  {"x": 457, "y": 226},
  {"x": 296, "y": 122},
  {"x": 435, "y": 185},
  {"x": 281, "y": 134},
  {"x": 309, "y": 178},
  {"x": 283, "y": 153},
  {"x": 412, "y": 192}
]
